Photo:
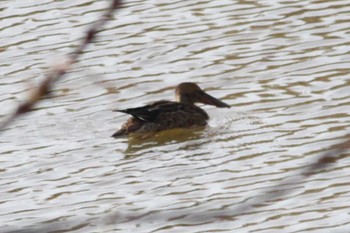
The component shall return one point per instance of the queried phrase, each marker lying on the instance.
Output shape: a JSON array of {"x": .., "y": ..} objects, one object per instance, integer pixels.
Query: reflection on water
[
  {"x": 283, "y": 66},
  {"x": 140, "y": 143}
]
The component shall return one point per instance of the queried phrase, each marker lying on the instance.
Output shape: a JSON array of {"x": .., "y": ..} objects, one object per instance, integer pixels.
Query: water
[{"x": 283, "y": 66}]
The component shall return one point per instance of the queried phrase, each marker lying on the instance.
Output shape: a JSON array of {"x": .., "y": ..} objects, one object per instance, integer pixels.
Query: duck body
[{"x": 164, "y": 115}]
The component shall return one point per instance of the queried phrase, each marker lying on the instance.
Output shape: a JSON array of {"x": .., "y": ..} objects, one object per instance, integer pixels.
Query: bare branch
[{"x": 56, "y": 72}]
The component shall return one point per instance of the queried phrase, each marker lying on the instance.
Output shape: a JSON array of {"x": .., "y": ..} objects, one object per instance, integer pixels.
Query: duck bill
[{"x": 205, "y": 98}]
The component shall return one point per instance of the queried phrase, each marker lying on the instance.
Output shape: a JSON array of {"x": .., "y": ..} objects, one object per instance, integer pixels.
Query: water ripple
[{"x": 282, "y": 66}]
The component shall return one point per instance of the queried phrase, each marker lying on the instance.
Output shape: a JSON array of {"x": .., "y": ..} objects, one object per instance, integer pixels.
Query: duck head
[{"x": 191, "y": 93}]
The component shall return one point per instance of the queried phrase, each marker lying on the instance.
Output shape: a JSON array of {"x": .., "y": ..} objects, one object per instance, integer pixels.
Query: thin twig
[
  {"x": 265, "y": 196},
  {"x": 56, "y": 72},
  {"x": 318, "y": 165}
]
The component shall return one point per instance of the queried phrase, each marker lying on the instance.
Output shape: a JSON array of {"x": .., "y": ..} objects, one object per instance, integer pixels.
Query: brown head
[{"x": 191, "y": 93}]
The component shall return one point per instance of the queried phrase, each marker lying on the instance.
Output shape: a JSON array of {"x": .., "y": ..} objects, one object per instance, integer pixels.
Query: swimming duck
[{"x": 163, "y": 114}]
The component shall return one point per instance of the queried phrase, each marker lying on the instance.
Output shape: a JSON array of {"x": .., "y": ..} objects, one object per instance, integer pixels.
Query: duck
[{"x": 164, "y": 115}]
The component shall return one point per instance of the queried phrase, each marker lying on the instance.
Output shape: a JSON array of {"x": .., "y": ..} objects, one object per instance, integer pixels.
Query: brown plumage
[{"x": 163, "y": 115}]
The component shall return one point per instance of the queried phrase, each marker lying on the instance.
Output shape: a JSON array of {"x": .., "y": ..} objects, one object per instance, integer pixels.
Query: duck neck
[{"x": 185, "y": 99}]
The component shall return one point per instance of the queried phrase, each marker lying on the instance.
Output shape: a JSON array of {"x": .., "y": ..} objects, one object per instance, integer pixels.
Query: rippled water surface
[{"x": 283, "y": 66}]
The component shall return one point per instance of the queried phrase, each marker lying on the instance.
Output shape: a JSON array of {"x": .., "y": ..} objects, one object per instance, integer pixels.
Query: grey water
[{"x": 283, "y": 66}]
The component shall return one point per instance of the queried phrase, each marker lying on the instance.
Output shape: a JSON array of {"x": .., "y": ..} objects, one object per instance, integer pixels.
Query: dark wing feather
[
  {"x": 151, "y": 111},
  {"x": 141, "y": 113}
]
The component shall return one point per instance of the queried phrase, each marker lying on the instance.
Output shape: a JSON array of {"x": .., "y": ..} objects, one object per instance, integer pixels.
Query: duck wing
[{"x": 149, "y": 113}]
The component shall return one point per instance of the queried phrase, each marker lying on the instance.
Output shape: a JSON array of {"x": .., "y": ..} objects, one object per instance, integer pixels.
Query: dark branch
[{"x": 56, "y": 73}]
